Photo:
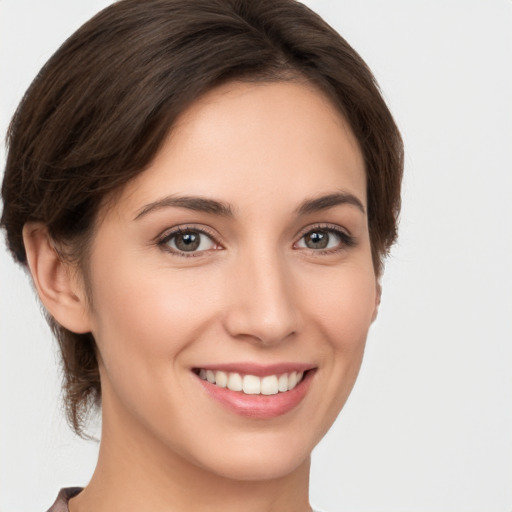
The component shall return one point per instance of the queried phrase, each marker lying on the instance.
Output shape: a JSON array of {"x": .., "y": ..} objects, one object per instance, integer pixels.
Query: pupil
[
  {"x": 317, "y": 240},
  {"x": 188, "y": 241}
]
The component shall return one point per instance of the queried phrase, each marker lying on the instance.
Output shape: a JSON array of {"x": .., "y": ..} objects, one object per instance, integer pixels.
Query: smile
[
  {"x": 257, "y": 391},
  {"x": 252, "y": 384}
]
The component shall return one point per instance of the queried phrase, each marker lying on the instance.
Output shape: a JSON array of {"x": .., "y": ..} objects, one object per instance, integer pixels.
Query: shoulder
[{"x": 61, "y": 503}]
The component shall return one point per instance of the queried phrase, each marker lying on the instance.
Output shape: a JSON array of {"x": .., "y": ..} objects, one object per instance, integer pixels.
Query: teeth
[
  {"x": 292, "y": 380},
  {"x": 252, "y": 385},
  {"x": 269, "y": 385},
  {"x": 282, "y": 384},
  {"x": 235, "y": 382},
  {"x": 221, "y": 379}
]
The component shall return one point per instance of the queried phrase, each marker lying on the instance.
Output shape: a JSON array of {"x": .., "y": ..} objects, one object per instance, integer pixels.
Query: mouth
[
  {"x": 252, "y": 384},
  {"x": 257, "y": 392}
]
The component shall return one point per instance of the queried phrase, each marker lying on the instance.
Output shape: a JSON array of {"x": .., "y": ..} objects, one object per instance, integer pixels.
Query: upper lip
[{"x": 259, "y": 370}]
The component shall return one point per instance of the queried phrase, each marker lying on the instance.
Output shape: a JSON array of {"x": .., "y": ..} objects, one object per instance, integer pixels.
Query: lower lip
[{"x": 259, "y": 406}]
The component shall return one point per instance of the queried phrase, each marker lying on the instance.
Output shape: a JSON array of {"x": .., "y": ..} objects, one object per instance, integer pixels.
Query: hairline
[{"x": 288, "y": 74}]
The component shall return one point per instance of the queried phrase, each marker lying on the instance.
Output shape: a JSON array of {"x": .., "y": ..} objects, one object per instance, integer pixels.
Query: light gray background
[{"x": 429, "y": 424}]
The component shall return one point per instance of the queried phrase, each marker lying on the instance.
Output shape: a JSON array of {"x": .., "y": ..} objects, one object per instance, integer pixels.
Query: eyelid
[
  {"x": 163, "y": 238},
  {"x": 347, "y": 239},
  {"x": 326, "y": 226}
]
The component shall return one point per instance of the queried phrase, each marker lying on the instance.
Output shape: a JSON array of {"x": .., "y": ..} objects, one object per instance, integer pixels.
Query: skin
[{"x": 256, "y": 293}]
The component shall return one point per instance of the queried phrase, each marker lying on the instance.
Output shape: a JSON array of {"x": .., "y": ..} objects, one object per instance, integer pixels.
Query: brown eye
[
  {"x": 317, "y": 240},
  {"x": 189, "y": 241},
  {"x": 324, "y": 239}
]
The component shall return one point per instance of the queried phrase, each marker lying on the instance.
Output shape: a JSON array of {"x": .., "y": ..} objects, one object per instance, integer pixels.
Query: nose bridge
[{"x": 262, "y": 305}]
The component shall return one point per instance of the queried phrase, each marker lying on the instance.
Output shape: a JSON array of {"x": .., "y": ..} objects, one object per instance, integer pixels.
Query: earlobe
[
  {"x": 55, "y": 282},
  {"x": 378, "y": 295}
]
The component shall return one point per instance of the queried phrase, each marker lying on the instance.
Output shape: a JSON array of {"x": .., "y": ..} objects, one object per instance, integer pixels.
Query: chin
[{"x": 258, "y": 467}]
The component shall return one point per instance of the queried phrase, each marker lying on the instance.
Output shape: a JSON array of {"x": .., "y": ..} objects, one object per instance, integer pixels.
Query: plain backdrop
[{"x": 429, "y": 424}]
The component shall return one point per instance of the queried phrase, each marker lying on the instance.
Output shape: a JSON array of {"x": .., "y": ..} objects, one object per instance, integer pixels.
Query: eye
[
  {"x": 325, "y": 239},
  {"x": 319, "y": 239},
  {"x": 188, "y": 241}
]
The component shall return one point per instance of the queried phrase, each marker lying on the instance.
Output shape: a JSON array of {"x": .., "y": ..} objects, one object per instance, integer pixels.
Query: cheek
[
  {"x": 144, "y": 321},
  {"x": 344, "y": 306},
  {"x": 146, "y": 315},
  {"x": 340, "y": 311}
]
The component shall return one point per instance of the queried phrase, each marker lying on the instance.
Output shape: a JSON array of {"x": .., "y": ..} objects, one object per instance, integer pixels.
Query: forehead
[{"x": 244, "y": 140}]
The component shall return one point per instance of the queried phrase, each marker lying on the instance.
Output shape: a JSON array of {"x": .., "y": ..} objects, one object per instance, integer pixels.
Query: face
[{"x": 233, "y": 286}]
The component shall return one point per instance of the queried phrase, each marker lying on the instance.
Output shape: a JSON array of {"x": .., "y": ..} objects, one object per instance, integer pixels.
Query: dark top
[{"x": 61, "y": 503}]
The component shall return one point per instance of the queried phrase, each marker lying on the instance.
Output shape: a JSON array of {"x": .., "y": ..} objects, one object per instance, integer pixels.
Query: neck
[{"x": 135, "y": 472}]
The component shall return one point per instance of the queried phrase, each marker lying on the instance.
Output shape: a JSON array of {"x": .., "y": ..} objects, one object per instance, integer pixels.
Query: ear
[
  {"x": 378, "y": 295},
  {"x": 56, "y": 282}
]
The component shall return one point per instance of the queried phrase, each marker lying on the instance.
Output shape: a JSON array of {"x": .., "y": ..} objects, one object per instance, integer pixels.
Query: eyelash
[
  {"x": 164, "y": 240},
  {"x": 346, "y": 241}
]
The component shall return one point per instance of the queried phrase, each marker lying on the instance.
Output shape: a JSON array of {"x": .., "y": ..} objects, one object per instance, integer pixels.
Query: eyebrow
[
  {"x": 198, "y": 204},
  {"x": 328, "y": 201},
  {"x": 212, "y": 206}
]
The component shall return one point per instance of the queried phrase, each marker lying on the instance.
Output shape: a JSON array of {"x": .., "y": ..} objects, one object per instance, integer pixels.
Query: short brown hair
[{"x": 99, "y": 110}]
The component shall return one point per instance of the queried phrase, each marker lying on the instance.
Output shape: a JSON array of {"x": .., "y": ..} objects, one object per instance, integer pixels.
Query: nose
[{"x": 262, "y": 305}]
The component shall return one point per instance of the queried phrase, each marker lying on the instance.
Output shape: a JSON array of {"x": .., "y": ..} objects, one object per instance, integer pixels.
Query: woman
[{"x": 204, "y": 194}]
